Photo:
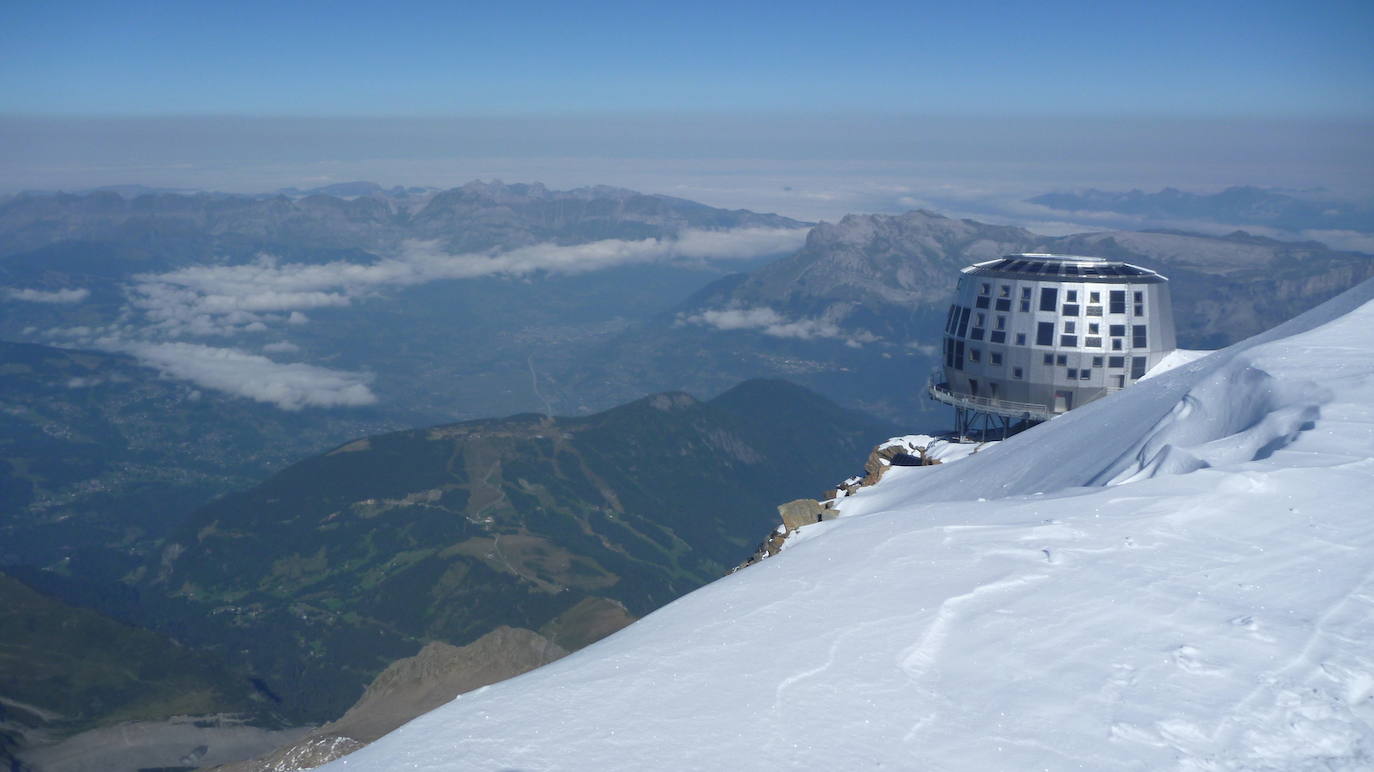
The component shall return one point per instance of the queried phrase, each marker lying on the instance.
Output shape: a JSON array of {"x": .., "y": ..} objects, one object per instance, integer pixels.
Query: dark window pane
[
  {"x": 1138, "y": 336},
  {"x": 1020, "y": 338},
  {"x": 1094, "y": 310},
  {"x": 982, "y": 301},
  {"x": 1044, "y": 334},
  {"x": 1116, "y": 361},
  {"x": 949, "y": 319},
  {"x": 976, "y": 334},
  {"x": 1070, "y": 309},
  {"x": 1093, "y": 342},
  {"x": 998, "y": 336},
  {"x": 1137, "y": 367},
  {"x": 1097, "y": 361},
  {"x": 1003, "y": 304},
  {"x": 1118, "y": 301},
  {"x": 1068, "y": 341},
  {"x": 1049, "y": 298},
  {"x": 1117, "y": 330},
  {"x": 1025, "y": 305},
  {"x": 958, "y": 355},
  {"x": 1049, "y": 359},
  {"x": 1062, "y": 359},
  {"x": 963, "y": 322}
]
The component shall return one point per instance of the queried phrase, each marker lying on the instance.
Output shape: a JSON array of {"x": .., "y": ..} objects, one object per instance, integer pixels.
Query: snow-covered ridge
[{"x": 1176, "y": 577}]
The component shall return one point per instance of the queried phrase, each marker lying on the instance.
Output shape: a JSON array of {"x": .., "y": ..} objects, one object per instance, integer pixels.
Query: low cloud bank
[
  {"x": 290, "y": 386},
  {"x": 769, "y": 322},
  {"x": 41, "y": 296},
  {"x": 218, "y": 300}
]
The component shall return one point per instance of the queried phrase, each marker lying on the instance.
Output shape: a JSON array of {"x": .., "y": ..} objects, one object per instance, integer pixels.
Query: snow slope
[{"x": 1180, "y": 576}]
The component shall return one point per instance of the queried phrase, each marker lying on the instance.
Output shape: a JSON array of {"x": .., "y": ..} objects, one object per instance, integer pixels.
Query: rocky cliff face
[{"x": 411, "y": 687}]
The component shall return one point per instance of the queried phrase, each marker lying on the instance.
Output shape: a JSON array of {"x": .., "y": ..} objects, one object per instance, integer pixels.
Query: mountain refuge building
[{"x": 1030, "y": 336}]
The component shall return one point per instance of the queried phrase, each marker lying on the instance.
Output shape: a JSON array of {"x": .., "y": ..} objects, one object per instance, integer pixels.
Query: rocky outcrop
[
  {"x": 411, "y": 687},
  {"x": 898, "y": 451}
]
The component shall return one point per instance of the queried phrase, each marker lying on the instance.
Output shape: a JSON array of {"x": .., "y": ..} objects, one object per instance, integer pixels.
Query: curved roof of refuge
[{"x": 1077, "y": 268}]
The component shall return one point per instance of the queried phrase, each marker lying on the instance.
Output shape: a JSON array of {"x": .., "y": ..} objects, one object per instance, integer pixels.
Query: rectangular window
[
  {"x": 1094, "y": 310},
  {"x": 1070, "y": 296},
  {"x": 1138, "y": 336},
  {"x": 949, "y": 352},
  {"x": 1092, "y": 342},
  {"x": 985, "y": 288},
  {"x": 1001, "y": 322},
  {"x": 1094, "y": 297},
  {"x": 973, "y": 386},
  {"x": 1072, "y": 374},
  {"x": 949, "y": 320},
  {"x": 1094, "y": 328},
  {"x": 997, "y": 336},
  {"x": 1097, "y": 361},
  {"x": 1003, "y": 304},
  {"x": 974, "y": 355},
  {"x": 958, "y": 355},
  {"x": 1049, "y": 298},
  {"x": 995, "y": 358},
  {"x": 1025, "y": 305},
  {"x": 1025, "y": 293},
  {"x": 1070, "y": 309},
  {"x": 1044, "y": 334},
  {"x": 1004, "y": 291},
  {"x": 976, "y": 333},
  {"x": 1138, "y": 297},
  {"x": 1137, "y": 368},
  {"x": 1020, "y": 338},
  {"x": 963, "y": 322},
  {"x": 1070, "y": 327},
  {"x": 981, "y": 301},
  {"x": 1017, "y": 373},
  {"x": 1062, "y": 359},
  {"x": 1084, "y": 374},
  {"x": 1116, "y": 344},
  {"x": 979, "y": 320},
  {"x": 1139, "y": 310},
  {"x": 1116, "y": 361},
  {"x": 1117, "y": 330},
  {"x": 1118, "y": 301},
  {"x": 1068, "y": 341},
  {"x": 1049, "y": 359}
]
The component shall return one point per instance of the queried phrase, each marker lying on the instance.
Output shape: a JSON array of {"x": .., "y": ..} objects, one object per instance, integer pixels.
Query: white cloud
[
  {"x": 281, "y": 347},
  {"x": 1338, "y": 239},
  {"x": 41, "y": 296},
  {"x": 288, "y": 386},
  {"x": 227, "y": 299},
  {"x": 769, "y": 322}
]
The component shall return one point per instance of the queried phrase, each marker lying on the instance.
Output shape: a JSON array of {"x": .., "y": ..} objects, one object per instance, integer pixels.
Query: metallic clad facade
[{"x": 1033, "y": 335}]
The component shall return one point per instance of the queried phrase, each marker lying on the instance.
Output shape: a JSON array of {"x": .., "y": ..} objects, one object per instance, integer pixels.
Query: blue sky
[
  {"x": 809, "y": 109},
  {"x": 1280, "y": 59}
]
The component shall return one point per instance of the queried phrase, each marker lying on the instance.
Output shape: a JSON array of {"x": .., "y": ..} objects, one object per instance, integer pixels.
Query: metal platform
[{"x": 1025, "y": 411}]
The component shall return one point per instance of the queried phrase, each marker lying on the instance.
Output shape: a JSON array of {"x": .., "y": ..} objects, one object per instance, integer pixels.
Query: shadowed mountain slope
[{"x": 323, "y": 574}]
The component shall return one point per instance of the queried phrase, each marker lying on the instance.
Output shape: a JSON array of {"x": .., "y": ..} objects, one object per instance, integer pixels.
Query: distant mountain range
[
  {"x": 1294, "y": 211},
  {"x": 855, "y": 314}
]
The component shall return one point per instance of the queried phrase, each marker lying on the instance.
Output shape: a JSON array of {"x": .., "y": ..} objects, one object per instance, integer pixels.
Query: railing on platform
[{"x": 1002, "y": 407}]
